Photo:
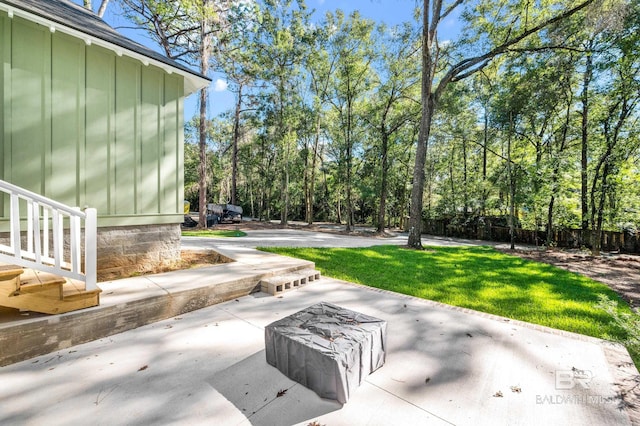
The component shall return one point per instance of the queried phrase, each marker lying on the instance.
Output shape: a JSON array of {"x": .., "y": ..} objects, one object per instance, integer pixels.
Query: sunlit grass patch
[{"x": 213, "y": 233}]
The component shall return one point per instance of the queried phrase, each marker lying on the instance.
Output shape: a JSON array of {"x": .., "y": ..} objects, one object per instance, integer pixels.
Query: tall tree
[
  {"x": 192, "y": 31},
  {"x": 352, "y": 45},
  {"x": 622, "y": 100},
  {"x": 283, "y": 40},
  {"x": 508, "y": 30},
  {"x": 392, "y": 105},
  {"x": 237, "y": 63},
  {"x": 320, "y": 67}
]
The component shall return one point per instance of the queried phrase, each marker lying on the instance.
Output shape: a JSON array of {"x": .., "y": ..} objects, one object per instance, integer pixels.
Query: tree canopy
[{"x": 531, "y": 115}]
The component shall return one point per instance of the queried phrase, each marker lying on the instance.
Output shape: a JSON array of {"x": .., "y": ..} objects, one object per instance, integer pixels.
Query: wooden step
[
  {"x": 33, "y": 281},
  {"x": 8, "y": 272},
  {"x": 76, "y": 297},
  {"x": 46, "y": 293}
]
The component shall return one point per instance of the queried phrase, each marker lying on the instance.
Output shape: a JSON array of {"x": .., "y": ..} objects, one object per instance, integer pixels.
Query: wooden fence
[{"x": 565, "y": 238}]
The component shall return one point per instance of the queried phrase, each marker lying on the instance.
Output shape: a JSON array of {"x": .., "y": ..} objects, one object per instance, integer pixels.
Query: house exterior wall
[{"x": 86, "y": 127}]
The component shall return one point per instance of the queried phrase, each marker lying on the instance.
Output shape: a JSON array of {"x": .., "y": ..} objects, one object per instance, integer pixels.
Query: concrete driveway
[{"x": 302, "y": 238}]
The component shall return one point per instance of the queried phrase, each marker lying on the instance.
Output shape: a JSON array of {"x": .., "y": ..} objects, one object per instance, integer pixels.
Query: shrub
[{"x": 629, "y": 322}]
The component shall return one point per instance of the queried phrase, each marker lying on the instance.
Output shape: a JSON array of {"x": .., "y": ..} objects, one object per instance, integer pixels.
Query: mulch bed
[{"x": 620, "y": 272}]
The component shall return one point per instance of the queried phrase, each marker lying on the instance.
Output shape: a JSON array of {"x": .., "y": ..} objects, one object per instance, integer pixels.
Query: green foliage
[
  {"x": 485, "y": 280},
  {"x": 627, "y": 321},
  {"x": 333, "y": 104}
]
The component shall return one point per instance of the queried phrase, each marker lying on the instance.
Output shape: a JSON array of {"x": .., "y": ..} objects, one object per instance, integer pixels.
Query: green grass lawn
[
  {"x": 478, "y": 278},
  {"x": 213, "y": 233}
]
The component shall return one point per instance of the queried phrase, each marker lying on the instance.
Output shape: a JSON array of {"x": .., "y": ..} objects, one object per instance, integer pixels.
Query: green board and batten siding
[{"x": 86, "y": 127}]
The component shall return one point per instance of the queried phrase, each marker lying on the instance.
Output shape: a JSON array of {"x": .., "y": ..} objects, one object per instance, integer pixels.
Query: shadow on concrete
[{"x": 266, "y": 396}]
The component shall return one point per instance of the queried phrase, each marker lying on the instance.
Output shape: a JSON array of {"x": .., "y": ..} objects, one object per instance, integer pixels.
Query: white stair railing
[{"x": 45, "y": 235}]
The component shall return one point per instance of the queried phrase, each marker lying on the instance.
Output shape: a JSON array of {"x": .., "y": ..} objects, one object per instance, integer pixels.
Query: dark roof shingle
[{"x": 71, "y": 15}]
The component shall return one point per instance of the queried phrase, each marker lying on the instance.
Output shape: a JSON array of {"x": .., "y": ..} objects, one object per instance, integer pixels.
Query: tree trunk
[
  {"x": 305, "y": 185},
  {"x": 484, "y": 161},
  {"x": 550, "y": 221},
  {"x": 312, "y": 183},
  {"x": 383, "y": 180},
  {"x": 512, "y": 191},
  {"x": 465, "y": 186},
  {"x": 596, "y": 242},
  {"x": 453, "y": 205},
  {"x": 202, "y": 130},
  {"x": 103, "y": 8},
  {"x": 284, "y": 213},
  {"x": 202, "y": 166},
  {"x": 556, "y": 169},
  {"x": 428, "y": 105},
  {"x": 310, "y": 174},
  {"x": 234, "y": 154},
  {"x": 584, "y": 163},
  {"x": 252, "y": 197},
  {"x": 349, "y": 161}
]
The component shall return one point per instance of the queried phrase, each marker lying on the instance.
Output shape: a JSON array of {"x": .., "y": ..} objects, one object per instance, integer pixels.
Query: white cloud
[{"x": 220, "y": 85}]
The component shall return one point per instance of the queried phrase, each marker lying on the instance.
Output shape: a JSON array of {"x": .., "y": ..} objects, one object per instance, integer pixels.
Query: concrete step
[{"x": 281, "y": 283}]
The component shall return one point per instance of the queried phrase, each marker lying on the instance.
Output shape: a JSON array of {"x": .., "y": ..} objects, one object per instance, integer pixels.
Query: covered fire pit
[{"x": 326, "y": 348}]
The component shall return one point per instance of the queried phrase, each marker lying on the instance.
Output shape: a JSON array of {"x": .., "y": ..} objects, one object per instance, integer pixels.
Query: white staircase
[{"x": 59, "y": 277}]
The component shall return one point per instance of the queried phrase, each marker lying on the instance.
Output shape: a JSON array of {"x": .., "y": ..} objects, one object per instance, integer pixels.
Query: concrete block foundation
[{"x": 134, "y": 250}]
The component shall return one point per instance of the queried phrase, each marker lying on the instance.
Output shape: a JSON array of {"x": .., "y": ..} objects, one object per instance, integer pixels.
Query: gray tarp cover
[{"x": 328, "y": 349}]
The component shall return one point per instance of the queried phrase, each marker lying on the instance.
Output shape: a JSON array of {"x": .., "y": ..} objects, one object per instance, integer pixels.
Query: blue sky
[{"x": 391, "y": 12}]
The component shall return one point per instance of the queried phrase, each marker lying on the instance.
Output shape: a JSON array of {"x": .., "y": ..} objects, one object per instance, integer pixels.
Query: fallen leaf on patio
[
  {"x": 577, "y": 370},
  {"x": 281, "y": 393},
  {"x": 516, "y": 389},
  {"x": 498, "y": 394},
  {"x": 144, "y": 367}
]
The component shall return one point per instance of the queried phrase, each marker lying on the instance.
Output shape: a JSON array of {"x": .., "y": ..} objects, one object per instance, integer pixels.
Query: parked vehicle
[
  {"x": 221, "y": 213},
  {"x": 216, "y": 213}
]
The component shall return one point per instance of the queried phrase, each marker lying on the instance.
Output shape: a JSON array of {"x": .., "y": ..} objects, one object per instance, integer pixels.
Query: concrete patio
[{"x": 444, "y": 365}]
